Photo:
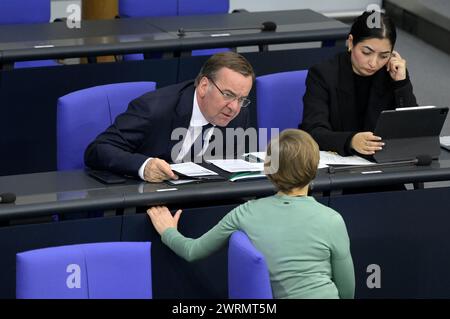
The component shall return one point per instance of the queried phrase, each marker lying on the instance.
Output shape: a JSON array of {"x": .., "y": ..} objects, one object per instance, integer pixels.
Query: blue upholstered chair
[
  {"x": 147, "y": 8},
  {"x": 84, "y": 114},
  {"x": 87, "y": 271},
  {"x": 248, "y": 275},
  {"x": 279, "y": 100},
  {"x": 24, "y": 12},
  {"x": 197, "y": 7}
]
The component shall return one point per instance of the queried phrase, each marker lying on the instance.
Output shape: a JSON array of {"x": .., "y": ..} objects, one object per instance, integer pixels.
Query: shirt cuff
[{"x": 142, "y": 168}]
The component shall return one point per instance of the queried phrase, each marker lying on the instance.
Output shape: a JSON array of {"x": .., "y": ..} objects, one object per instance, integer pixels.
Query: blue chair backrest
[
  {"x": 117, "y": 270},
  {"x": 197, "y": 7},
  {"x": 84, "y": 114},
  {"x": 35, "y": 64},
  {"x": 24, "y": 11},
  {"x": 248, "y": 274},
  {"x": 147, "y": 8},
  {"x": 279, "y": 100},
  {"x": 203, "y": 52}
]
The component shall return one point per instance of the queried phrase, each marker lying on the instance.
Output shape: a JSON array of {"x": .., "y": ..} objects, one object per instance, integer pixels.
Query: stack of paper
[
  {"x": 242, "y": 170},
  {"x": 237, "y": 165},
  {"x": 329, "y": 158},
  {"x": 445, "y": 142},
  {"x": 326, "y": 159},
  {"x": 191, "y": 169}
]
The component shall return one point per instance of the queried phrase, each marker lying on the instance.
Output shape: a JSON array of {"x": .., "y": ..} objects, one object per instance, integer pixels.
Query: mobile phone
[{"x": 106, "y": 177}]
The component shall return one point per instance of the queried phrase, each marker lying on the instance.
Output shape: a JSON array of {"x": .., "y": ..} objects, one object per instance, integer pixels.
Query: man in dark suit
[{"x": 141, "y": 141}]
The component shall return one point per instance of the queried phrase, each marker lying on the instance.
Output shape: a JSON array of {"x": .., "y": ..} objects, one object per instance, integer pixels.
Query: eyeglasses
[{"x": 230, "y": 97}]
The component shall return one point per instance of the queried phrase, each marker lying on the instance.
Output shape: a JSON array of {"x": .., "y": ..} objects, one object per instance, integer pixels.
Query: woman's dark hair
[{"x": 373, "y": 24}]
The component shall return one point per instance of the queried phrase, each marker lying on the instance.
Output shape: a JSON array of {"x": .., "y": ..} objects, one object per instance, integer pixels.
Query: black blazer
[
  {"x": 145, "y": 129},
  {"x": 330, "y": 96}
]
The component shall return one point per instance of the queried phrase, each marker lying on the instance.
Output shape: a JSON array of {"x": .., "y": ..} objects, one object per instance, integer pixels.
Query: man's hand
[
  {"x": 157, "y": 170},
  {"x": 366, "y": 143},
  {"x": 396, "y": 67},
  {"x": 162, "y": 218}
]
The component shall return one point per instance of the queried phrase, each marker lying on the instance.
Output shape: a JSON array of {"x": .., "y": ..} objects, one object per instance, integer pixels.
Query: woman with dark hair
[{"x": 345, "y": 95}]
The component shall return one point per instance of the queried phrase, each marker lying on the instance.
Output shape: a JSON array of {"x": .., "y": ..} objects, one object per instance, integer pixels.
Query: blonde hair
[{"x": 298, "y": 159}]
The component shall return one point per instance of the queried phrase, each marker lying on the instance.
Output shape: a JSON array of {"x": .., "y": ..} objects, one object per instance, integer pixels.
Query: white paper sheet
[
  {"x": 326, "y": 159},
  {"x": 191, "y": 169}
]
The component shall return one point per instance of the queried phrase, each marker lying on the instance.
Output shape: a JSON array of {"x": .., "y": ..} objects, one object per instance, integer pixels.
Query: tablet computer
[{"x": 410, "y": 132}]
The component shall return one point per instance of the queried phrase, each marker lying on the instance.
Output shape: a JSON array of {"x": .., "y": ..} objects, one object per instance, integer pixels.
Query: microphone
[
  {"x": 264, "y": 27},
  {"x": 268, "y": 26},
  {"x": 7, "y": 198},
  {"x": 420, "y": 160}
]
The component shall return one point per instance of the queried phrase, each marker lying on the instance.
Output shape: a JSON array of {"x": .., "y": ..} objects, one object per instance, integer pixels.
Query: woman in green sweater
[{"x": 305, "y": 243}]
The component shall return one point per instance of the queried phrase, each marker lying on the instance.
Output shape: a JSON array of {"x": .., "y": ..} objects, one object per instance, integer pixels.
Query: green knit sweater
[{"x": 305, "y": 244}]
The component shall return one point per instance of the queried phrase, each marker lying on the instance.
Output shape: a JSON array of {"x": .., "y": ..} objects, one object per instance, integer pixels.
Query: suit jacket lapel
[{"x": 183, "y": 112}]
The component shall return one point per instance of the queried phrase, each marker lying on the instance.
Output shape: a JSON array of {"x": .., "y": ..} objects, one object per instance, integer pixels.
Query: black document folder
[
  {"x": 185, "y": 179},
  {"x": 410, "y": 132}
]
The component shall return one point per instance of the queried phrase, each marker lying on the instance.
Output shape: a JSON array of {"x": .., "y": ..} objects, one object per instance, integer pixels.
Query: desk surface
[
  {"x": 439, "y": 170},
  {"x": 56, "y": 40},
  {"x": 63, "y": 192},
  {"x": 71, "y": 191},
  {"x": 120, "y": 36}
]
